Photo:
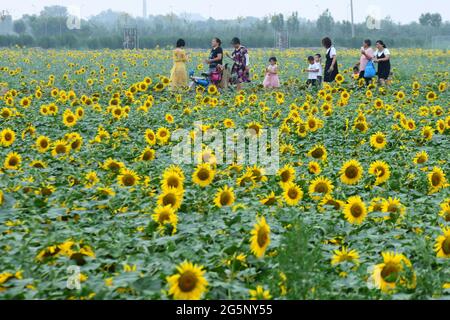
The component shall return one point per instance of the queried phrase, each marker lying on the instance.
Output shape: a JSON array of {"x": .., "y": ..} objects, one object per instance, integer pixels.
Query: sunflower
[
  {"x": 60, "y": 147},
  {"x": 1, "y": 197},
  {"x": 113, "y": 165},
  {"x": 355, "y": 210},
  {"x": 445, "y": 211},
  {"x": 431, "y": 96},
  {"x": 224, "y": 197},
  {"x": 69, "y": 119},
  {"x": 393, "y": 207},
  {"x": 436, "y": 179},
  {"x": 91, "y": 179},
  {"x": 269, "y": 199},
  {"x": 127, "y": 178},
  {"x": 387, "y": 275},
  {"x": 427, "y": 133},
  {"x": 328, "y": 200},
  {"x": 188, "y": 283},
  {"x": 292, "y": 193},
  {"x": 420, "y": 157},
  {"x": 172, "y": 197},
  {"x": 260, "y": 238},
  {"x": 381, "y": 171},
  {"x": 320, "y": 187},
  {"x": 42, "y": 144},
  {"x": 148, "y": 154},
  {"x": 351, "y": 172},
  {"x": 246, "y": 178},
  {"x": 318, "y": 152},
  {"x": 378, "y": 140},
  {"x": 212, "y": 90},
  {"x": 7, "y": 137},
  {"x": 259, "y": 294},
  {"x": 150, "y": 137},
  {"x": 286, "y": 174},
  {"x": 441, "y": 126},
  {"x": 255, "y": 128},
  {"x": 442, "y": 245},
  {"x": 228, "y": 123},
  {"x": 257, "y": 173},
  {"x": 38, "y": 164},
  {"x": 172, "y": 179},
  {"x": 162, "y": 135},
  {"x": 165, "y": 215},
  {"x": 314, "y": 167},
  {"x": 203, "y": 175},
  {"x": 339, "y": 78},
  {"x": 361, "y": 126},
  {"x": 12, "y": 161},
  {"x": 345, "y": 255}
]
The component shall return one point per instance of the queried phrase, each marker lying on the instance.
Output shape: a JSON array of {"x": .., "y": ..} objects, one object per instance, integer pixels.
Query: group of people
[{"x": 316, "y": 73}]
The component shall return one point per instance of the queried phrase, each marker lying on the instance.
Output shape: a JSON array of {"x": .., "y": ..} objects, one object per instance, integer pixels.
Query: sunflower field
[{"x": 92, "y": 206}]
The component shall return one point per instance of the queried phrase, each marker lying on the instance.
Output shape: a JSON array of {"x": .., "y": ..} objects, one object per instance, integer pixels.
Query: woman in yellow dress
[{"x": 178, "y": 75}]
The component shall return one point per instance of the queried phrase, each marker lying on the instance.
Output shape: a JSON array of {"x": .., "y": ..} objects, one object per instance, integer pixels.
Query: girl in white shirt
[{"x": 383, "y": 58}]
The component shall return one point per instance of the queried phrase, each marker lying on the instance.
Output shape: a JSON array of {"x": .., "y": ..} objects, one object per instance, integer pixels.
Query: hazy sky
[{"x": 400, "y": 10}]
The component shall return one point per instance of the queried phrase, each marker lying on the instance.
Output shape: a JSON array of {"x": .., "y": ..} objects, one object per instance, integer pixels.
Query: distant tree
[
  {"x": 325, "y": 22},
  {"x": 19, "y": 27},
  {"x": 55, "y": 11},
  {"x": 431, "y": 19},
  {"x": 277, "y": 22},
  {"x": 293, "y": 24}
]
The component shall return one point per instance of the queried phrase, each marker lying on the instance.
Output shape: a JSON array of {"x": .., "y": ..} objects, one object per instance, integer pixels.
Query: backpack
[{"x": 370, "y": 71}]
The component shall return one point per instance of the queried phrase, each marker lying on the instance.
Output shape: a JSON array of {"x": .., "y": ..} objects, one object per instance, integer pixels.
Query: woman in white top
[{"x": 383, "y": 58}]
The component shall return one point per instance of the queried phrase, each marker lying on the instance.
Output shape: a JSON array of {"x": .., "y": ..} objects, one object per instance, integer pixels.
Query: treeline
[{"x": 49, "y": 29}]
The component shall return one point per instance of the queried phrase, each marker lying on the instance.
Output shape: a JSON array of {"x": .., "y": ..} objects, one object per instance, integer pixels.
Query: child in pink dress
[{"x": 271, "y": 80}]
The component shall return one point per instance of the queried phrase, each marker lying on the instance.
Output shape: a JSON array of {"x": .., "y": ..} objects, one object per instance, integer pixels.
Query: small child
[
  {"x": 271, "y": 80},
  {"x": 318, "y": 61},
  {"x": 313, "y": 71}
]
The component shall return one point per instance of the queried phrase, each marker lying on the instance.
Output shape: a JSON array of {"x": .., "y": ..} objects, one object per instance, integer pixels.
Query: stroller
[{"x": 219, "y": 77}]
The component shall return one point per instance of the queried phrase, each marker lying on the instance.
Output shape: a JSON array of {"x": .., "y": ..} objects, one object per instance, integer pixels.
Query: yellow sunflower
[
  {"x": 320, "y": 187},
  {"x": 7, "y": 137},
  {"x": 12, "y": 161},
  {"x": 442, "y": 245},
  {"x": 387, "y": 275},
  {"x": 188, "y": 283},
  {"x": 351, "y": 172},
  {"x": 292, "y": 194},
  {"x": 437, "y": 180},
  {"x": 286, "y": 174},
  {"x": 172, "y": 197},
  {"x": 378, "y": 140},
  {"x": 165, "y": 215},
  {"x": 127, "y": 178},
  {"x": 259, "y": 294},
  {"x": 355, "y": 210},
  {"x": 345, "y": 255},
  {"x": 381, "y": 171},
  {"x": 318, "y": 152},
  {"x": 224, "y": 197},
  {"x": 203, "y": 175},
  {"x": 260, "y": 238}
]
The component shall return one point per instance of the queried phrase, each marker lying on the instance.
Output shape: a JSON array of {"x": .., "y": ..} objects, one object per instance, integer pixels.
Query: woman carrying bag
[{"x": 366, "y": 67}]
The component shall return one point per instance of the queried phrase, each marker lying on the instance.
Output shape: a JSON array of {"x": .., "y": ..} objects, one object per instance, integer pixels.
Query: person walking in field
[
  {"x": 383, "y": 58},
  {"x": 272, "y": 80},
  {"x": 367, "y": 55},
  {"x": 216, "y": 55},
  {"x": 331, "y": 66},
  {"x": 241, "y": 65},
  {"x": 178, "y": 74}
]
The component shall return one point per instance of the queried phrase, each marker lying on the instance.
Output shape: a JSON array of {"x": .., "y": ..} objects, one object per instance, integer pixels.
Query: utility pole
[{"x": 353, "y": 21}]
